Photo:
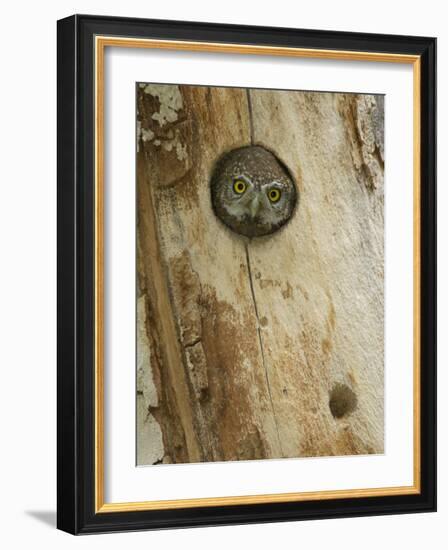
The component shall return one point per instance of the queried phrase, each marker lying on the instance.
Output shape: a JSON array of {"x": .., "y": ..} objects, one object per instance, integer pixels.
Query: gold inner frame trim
[{"x": 101, "y": 42}]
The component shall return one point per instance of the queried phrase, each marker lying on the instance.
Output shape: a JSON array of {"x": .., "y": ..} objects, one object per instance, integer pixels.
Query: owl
[{"x": 252, "y": 192}]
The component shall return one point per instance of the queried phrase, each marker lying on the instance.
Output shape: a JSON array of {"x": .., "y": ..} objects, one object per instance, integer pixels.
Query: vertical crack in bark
[
  {"x": 260, "y": 340},
  {"x": 251, "y": 118}
]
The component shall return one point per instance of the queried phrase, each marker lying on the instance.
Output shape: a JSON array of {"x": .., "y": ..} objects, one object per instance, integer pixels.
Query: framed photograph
[{"x": 246, "y": 274}]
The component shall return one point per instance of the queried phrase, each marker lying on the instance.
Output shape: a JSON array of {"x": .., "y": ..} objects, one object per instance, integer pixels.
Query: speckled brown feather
[{"x": 260, "y": 168}]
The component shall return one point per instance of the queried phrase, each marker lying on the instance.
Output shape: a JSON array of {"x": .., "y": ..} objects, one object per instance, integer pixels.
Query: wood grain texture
[{"x": 271, "y": 347}]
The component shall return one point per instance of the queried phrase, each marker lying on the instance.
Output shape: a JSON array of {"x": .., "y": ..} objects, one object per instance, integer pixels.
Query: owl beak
[{"x": 254, "y": 207}]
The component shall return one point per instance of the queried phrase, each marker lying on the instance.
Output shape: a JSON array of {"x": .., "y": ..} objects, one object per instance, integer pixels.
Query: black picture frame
[{"x": 76, "y": 254}]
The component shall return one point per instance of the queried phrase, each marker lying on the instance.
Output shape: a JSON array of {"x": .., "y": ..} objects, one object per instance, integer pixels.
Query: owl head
[{"x": 252, "y": 191}]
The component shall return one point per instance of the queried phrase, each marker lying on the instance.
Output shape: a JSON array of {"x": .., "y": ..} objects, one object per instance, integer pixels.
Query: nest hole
[{"x": 343, "y": 401}]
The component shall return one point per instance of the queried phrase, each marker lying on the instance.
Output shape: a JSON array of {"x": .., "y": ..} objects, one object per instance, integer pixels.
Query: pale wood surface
[{"x": 240, "y": 344}]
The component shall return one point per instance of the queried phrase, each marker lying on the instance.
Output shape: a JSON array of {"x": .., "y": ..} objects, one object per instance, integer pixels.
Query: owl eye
[
  {"x": 239, "y": 186},
  {"x": 274, "y": 195}
]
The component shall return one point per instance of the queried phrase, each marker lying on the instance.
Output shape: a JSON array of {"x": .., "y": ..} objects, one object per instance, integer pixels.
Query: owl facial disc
[{"x": 252, "y": 191}]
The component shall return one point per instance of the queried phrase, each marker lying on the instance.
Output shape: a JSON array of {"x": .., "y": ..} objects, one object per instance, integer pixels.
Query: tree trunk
[{"x": 271, "y": 347}]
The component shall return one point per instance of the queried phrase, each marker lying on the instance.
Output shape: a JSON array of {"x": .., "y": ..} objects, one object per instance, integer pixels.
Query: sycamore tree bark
[{"x": 271, "y": 347}]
